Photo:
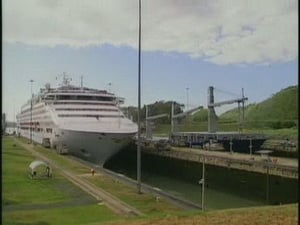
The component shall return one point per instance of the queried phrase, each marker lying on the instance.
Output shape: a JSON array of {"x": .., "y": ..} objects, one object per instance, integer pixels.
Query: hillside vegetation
[{"x": 278, "y": 111}]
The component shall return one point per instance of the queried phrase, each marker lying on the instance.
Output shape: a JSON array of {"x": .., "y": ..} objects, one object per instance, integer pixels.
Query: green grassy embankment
[{"x": 43, "y": 201}]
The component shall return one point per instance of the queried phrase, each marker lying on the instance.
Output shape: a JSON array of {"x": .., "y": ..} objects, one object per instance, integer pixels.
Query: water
[{"x": 225, "y": 188}]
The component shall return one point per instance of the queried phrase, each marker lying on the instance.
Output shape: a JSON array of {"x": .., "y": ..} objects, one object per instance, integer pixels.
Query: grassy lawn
[
  {"x": 146, "y": 203},
  {"x": 89, "y": 214},
  {"x": 44, "y": 201},
  {"x": 57, "y": 201},
  {"x": 17, "y": 185}
]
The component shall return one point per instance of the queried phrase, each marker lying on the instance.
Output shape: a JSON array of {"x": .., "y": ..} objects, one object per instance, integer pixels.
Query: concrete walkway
[{"x": 278, "y": 160}]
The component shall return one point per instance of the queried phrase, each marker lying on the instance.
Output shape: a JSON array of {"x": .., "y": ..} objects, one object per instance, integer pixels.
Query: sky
[{"x": 187, "y": 46}]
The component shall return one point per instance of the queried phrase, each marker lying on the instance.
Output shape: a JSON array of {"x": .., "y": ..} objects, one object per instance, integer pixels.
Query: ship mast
[
  {"x": 66, "y": 79},
  {"x": 81, "y": 82}
]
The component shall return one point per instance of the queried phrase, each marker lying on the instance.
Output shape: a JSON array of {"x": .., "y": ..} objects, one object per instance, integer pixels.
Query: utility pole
[
  {"x": 268, "y": 182},
  {"x": 187, "y": 98},
  {"x": 31, "y": 81},
  {"x": 139, "y": 108},
  {"x": 250, "y": 147},
  {"x": 202, "y": 182}
]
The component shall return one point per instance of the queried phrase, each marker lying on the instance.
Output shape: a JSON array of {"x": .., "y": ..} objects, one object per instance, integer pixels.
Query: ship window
[
  {"x": 96, "y": 116},
  {"x": 85, "y": 103},
  {"x": 85, "y": 98},
  {"x": 48, "y": 130},
  {"x": 49, "y": 97},
  {"x": 85, "y": 109}
]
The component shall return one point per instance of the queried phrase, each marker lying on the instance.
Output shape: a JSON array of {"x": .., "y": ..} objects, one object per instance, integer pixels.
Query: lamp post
[
  {"x": 187, "y": 98},
  {"x": 31, "y": 81},
  {"x": 202, "y": 182},
  {"x": 139, "y": 108}
]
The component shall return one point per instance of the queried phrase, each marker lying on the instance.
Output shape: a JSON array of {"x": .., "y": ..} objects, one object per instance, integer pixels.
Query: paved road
[{"x": 109, "y": 200}]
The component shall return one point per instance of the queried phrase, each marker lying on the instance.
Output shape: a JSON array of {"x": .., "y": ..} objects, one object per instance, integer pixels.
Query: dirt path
[{"x": 109, "y": 200}]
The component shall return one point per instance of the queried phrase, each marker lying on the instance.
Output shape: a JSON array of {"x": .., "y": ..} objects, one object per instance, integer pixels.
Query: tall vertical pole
[
  {"x": 243, "y": 102},
  {"x": 172, "y": 115},
  {"x": 250, "y": 146},
  {"x": 203, "y": 183},
  {"x": 230, "y": 143},
  {"x": 268, "y": 184},
  {"x": 187, "y": 98},
  {"x": 139, "y": 109},
  {"x": 212, "y": 127},
  {"x": 240, "y": 123},
  {"x": 31, "y": 81},
  {"x": 148, "y": 136}
]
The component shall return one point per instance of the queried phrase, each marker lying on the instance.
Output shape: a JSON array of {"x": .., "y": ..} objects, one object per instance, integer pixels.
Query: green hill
[
  {"x": 200, "y": 116},
  {"x": 278, "y": 111}
]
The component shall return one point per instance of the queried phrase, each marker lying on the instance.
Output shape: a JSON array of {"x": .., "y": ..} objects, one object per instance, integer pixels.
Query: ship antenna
[
  {"x": 81, "y": 84},
  {"x": 66, "y": 80}
]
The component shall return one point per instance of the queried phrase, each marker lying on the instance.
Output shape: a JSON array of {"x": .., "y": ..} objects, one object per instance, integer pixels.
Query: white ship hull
[
  {"x": 93, "y": 147},
  {"x": 87, "y": 123},
  {"x": 90, "y": 146}
]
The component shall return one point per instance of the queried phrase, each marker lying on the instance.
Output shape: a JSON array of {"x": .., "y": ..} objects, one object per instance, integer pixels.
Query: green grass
[
  {"x": 43, "y": 201},
  {"x": 18, "y": 187},
  {"x": 33, "y": 192},
  {"x": 67, "y": 216},
  {"x": 290, "y": 133},
  {"x": 283, "y": 105},
  {"x": 146, "y": 203}
]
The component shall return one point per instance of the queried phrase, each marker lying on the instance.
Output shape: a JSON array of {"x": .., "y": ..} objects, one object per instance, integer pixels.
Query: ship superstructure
[{"x": 81, "y": 121}]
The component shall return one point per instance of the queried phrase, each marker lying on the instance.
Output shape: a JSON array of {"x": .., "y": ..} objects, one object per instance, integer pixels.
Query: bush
[{"x": 283, "y": 124}]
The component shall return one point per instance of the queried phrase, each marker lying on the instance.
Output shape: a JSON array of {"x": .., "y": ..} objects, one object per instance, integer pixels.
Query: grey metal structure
[
  {"x": 175, "y": 117},
  {"x": 211, "y": 104},
  {"x": 149, "y": 120},
  {"x": 231, "y": 141}
]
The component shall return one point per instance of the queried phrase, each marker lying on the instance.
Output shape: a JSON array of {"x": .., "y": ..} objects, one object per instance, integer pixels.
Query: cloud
[{"x": 222, "y": 32}]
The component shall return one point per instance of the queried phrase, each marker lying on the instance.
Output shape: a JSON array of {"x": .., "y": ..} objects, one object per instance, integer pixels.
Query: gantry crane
[
  {"x": 175, "y": 117},
  {"x": 212, "y": 118},
  {"x": 149, "y": 119}
]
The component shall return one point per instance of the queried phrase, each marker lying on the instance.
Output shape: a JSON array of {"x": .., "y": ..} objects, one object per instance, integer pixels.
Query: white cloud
[{"x": 222, "y": 32}]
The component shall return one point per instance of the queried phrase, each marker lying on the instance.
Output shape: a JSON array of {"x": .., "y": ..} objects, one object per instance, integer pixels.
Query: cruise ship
[{"x": 84, "y": 122}]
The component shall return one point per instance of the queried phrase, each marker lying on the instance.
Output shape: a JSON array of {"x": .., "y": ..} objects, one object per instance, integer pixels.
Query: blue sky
[{"x": 185, "y": 44}]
